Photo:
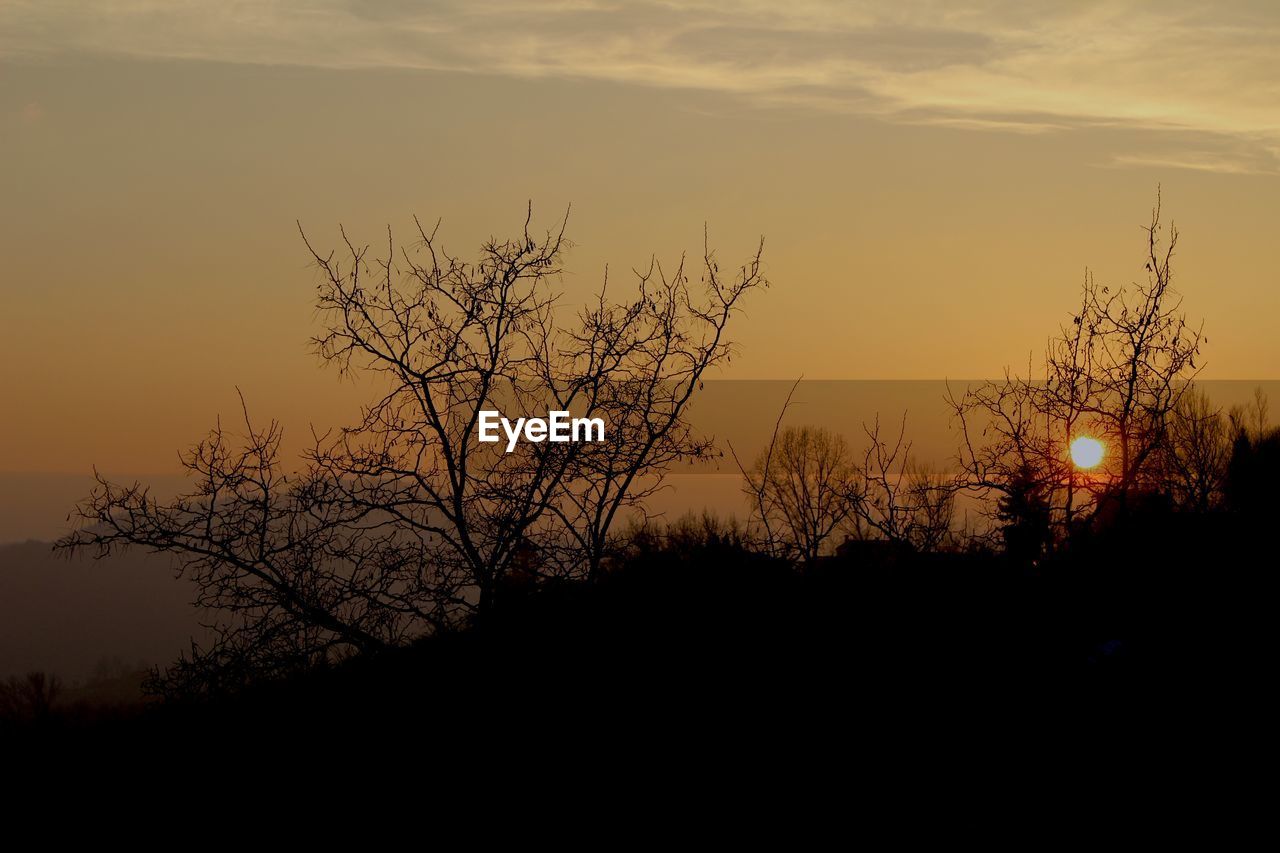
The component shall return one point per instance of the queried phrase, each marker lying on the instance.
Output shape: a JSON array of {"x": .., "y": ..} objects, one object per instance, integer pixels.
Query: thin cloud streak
[
  {"x": 995, "y": 66},
  {"x": 1195, "y": 161}
]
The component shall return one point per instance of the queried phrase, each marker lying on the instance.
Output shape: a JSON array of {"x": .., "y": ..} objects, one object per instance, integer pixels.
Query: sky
[{"x": 931, "y": 181}]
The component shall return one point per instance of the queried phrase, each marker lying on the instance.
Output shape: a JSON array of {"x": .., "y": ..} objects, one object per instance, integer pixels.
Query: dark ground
[{"x": 705, "y": 642}]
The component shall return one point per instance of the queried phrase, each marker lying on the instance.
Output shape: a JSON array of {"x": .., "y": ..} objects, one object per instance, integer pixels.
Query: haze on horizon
[{"x": 931, "y": 181}]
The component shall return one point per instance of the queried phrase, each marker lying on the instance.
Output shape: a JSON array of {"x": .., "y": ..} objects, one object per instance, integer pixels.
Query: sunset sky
[{"x": 931, "y": 181}]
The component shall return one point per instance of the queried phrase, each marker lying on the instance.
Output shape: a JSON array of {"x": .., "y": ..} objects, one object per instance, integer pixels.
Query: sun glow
[{"x": 1086, "y": 452}]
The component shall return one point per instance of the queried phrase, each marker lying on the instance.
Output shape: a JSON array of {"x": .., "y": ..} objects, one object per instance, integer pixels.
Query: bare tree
[
  {"x": 902, "y": 500},
  {"x": 1115, "y": 372},
  {"x": 803, "y": 488},
  {"x": 931, "y": 504},
  {"x": 1252, "y": 419},
  {"x": 1193, "y": 461},
  {"x": 1012, "y": 446},
  {"x": 406, "y": 522},
  {"x": 1140, "y": 358}
]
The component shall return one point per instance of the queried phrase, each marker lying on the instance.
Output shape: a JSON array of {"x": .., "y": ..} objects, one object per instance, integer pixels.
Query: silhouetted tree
[
  {"x": 1253, "y": 469},
  {"x": 406, "y": 522},
  {"x": 803, "y": 488},
  {"x": 900, "y": 499},
  {"x": 1117, "y": 371},
  {"x": 1025, "y": 523},
  {"x": 1254, "y": 418},
  {"x": 1193, "y": 461}
]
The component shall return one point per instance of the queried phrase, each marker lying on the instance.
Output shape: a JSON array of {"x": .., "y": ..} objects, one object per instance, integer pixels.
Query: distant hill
[{"x": 83, "y": 619}]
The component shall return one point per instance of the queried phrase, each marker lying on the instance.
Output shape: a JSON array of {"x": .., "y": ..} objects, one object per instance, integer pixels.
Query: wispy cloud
[
  {"x": 1202, "y": 161},
  {"x": 1207, "y": 69}
]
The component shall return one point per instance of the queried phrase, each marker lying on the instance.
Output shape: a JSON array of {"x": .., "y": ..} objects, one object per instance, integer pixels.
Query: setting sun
[{"x": 1086, "y": 452}]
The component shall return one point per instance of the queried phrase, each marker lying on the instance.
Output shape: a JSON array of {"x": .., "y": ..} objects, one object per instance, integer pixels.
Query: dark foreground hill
[{"x": 714, "y": 639}]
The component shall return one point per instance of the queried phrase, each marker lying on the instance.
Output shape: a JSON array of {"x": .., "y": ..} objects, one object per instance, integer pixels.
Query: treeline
[{"x": 811, "y": 496}]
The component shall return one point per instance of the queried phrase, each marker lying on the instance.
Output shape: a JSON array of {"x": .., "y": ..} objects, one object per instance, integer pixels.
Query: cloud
[
  {"x": 1177, "y": 66},
  {"x": 1201, "y": 161}
]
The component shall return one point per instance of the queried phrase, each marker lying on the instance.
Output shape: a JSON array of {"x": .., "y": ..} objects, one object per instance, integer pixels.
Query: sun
[{"x": 1087, "y": 452}]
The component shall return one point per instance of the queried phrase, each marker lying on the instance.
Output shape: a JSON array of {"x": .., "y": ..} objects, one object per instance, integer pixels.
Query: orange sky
[{"x": 931, "y": 181}]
